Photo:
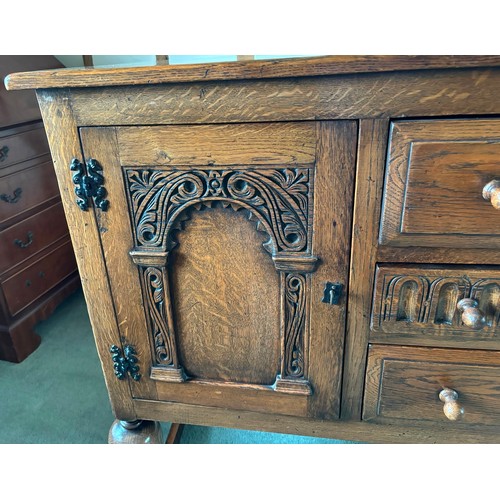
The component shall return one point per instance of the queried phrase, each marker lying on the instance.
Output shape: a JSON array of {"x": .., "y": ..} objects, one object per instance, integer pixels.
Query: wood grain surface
[
  {"x": 397, "y": 431},
  {"x": 435, "y": 177},
  {"x": 294, "y": 67},
  {"x": 332, "y": 232},
  {"x": 372, "y": 145},
  {"x": 216, "y": 145},
  {"x": 64, "y": 140},
  {"x": 417, "y": 305},
  {"x": 377, "y": 95},
  {"x": 403, "y": 383},
  {"x": 226, "y": 300}
]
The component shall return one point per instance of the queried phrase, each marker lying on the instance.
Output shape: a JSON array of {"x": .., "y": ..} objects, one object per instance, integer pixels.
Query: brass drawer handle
[
  {"x": 22, "y": 244},
  {"x": 472, "y": 316},
  {"x": 12, "y": 199},
  {"x": 4, "y": 151},
  {"x": 452, "y": 408},
  {"x": 491, "y": 192}
]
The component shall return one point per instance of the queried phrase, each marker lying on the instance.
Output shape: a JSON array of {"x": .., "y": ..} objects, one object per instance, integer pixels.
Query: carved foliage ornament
[
  {"x": 295, "y": 315},
  {"x": 153, "y": 287},
  {"x": 279, "y": 199}
]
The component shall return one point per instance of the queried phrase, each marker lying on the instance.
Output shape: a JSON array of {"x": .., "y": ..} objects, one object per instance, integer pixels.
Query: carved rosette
[{"x": 279, "y": 200}]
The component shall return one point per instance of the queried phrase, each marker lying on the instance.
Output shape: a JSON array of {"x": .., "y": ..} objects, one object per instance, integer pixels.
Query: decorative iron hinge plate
[
  {"x": 125, "y": 362},
  {"x": 89, "y": 184}
]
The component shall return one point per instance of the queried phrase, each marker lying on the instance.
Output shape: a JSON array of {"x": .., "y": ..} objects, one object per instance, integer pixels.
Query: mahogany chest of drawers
[
  {"x": 37, "y": 264},
  {"x": 307, "y": 246}
]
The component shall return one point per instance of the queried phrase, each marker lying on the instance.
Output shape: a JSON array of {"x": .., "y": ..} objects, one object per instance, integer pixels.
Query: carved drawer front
[
  {"x": 426, "y": 305},
  {"x": 442, "y": 186},
  {"x": 30, "y": 236},
  {"x": 25, "y": 189},
  {"x": 453, "y": 387},
  {"x": 23, "y": 146},
  {"x": 222, "y": 243},
  {"x": 27, "y": 285}
]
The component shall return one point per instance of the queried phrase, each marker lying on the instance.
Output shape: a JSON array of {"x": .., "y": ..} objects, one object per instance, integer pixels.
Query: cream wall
[{"x": 144, "y": 60}]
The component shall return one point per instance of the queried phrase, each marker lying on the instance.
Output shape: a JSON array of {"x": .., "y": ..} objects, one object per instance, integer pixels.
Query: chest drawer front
[
  {"x": 454, "y": 306},
  {"x": 436, "y": 173},
  {"x": 23, "y": 288},
  {"x": 405, "y": 383},
  {"x": 23, "y": 146},
  {"x": 22, "y": 240},
  {"x": 25, "y": 189}
]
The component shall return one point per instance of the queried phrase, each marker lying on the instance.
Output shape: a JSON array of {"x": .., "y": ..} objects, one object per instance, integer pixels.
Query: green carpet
[{"x": 57, "y": 395}]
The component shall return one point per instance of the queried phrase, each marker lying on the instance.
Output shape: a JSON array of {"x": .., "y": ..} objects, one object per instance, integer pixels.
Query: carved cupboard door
[{"x": 226, "y": 248}]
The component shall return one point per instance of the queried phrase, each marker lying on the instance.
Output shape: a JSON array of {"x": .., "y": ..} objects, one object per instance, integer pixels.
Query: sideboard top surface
[{"x": 276, "y": 68}]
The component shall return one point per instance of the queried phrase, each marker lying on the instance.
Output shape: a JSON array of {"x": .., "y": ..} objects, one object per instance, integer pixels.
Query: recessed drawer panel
[
  {"x": 442, "y": 186},
  {"x": 23, "y": 146},
  {"x": 23, "y": 288},
  {"x": 409, "y": 383},
  {"x": 437, "y": 305},
  {"x": 22, "y": 240},
  {"x": 25, "y": 189}
]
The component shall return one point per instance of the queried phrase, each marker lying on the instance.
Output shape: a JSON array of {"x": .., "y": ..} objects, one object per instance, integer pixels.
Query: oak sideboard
[{"x": 306, "y": 246}]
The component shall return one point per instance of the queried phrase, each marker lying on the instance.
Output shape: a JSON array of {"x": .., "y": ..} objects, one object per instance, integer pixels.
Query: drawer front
[
  {"x": 22, "y": 240},
  {"x": 404, "y": 383},
  {"x": 25, "y": 189},
  {"x": 423, "y": 305},
  {"x": 23, "y": 288},
  {"x": 23, "y": 146},
  {"x": 436, "y": 173}
]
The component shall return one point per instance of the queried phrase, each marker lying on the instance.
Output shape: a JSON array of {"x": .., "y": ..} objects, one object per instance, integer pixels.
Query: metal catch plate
[{"x": 332, "y": 293}]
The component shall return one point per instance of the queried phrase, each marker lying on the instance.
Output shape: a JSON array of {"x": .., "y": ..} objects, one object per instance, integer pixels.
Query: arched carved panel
[
  {"x": 404, "y": 297},
  {"x": 413, "y": 300},
  {"x": 487, "y": 293},
  {"x": 162, "y": 204},
  {"x": 446, "y": 305},
  {"x": 280, "y": 199}
]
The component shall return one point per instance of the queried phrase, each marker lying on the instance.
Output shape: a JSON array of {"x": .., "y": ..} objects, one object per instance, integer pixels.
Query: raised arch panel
[{"x": 226, "y": 301}]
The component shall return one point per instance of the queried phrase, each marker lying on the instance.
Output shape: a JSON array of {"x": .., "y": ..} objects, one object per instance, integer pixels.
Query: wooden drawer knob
[
  {"x": 491, "y": 192},
  {"x": 452, "y": 408},
  {"x": 471, "y": 314}
]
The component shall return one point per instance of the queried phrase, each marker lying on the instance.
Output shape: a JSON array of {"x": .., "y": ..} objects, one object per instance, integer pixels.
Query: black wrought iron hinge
[
  {"x": 125, "y": 362},
  {"x": 89, "y": 184}
]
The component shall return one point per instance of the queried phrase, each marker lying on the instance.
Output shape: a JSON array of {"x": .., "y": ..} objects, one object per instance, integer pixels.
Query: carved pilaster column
[
  {"x": 155, "y": 287},
  {"x": 295, "y": 275}
]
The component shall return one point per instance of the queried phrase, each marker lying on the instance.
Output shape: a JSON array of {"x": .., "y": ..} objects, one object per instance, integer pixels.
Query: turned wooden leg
[
  {"x": 175, "y": 433},
  {"x": 135, "y": 432}
]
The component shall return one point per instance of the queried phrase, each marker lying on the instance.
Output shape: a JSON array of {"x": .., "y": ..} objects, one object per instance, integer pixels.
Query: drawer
[
  {"x": 423, "y": 305},
  {"x": 23, "y": 288},
  {"x": 22, "y": 240},
  {"x": 23, "y": 146},
  {"x": 404, "y": 383},
  {"x": 25, "y": 189},
  {"x": 436, "y": 173}
]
